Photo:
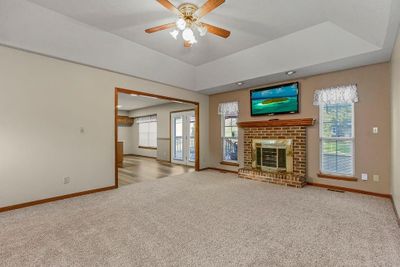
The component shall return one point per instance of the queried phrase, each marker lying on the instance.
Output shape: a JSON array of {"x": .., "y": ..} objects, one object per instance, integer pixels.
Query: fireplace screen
[{"x": 273, "y": 155}]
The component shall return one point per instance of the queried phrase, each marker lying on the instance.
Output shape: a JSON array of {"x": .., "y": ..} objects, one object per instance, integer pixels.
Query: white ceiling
[
  {"x": 269, "y": 37},
  {"x": 129, "y": 102}
]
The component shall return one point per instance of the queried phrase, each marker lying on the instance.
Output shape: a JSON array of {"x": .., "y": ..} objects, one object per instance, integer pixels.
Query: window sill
[
  {"x": 148, "y": 147},
  {"x": 229, "y": 163},
  {"x": 337, "y": 177}
]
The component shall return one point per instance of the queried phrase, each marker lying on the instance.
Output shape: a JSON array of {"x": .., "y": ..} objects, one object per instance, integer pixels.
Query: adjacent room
[
  {"x": 199, "y": 133},
  {"x": 156, "y": 138}
]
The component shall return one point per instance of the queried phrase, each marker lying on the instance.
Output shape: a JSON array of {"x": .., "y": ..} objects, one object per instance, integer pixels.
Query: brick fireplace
[{"x": 275, "y": 151}]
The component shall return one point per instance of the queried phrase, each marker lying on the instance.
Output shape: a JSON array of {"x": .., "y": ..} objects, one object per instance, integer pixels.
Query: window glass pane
[
  {"x": 337, "y": 121},
  {"x": 178, "y": 127},
  {"x": 228, "y": 132},
  {"x": 230, "y": 146},
  {"x": 235, "y": 132},
  {"x": 337, "y": 157},
  {"x": 229, "y": 138},
  {"x": 228, "y": 121},
  {"x": 148, "y": 134}
]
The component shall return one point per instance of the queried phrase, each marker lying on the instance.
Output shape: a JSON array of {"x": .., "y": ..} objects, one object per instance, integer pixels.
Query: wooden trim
[
  {"x": 337, "y": 177},
  {"x": 395, "y": 211},
  {"x": 116, "y": 136},
  {"x": 42, "y": 201},
  {"x": 277, "y": 123},
  {"x": 218, "y": 169},
  {"x": 197, "y": 137},
  {"x": 197, "y": 115},
  {"x": 235, "y": 164},
  {"x": 350, "y": 190},
  {"x": 129, "y": 91},
  {"x": 148, "y": 147}
]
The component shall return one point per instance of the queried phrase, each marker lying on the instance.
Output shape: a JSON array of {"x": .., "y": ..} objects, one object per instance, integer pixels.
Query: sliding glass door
[{"x": 183, "y": 138}]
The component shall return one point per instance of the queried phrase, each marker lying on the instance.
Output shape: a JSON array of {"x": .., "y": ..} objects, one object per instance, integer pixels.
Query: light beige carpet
[{"x": 204, "y": 219}]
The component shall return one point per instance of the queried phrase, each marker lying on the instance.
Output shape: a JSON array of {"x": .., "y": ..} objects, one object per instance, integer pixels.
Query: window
[
  {"x": 337, "y": 138},
  {"x": 229, "y": 137},
  {"x": 147, "y": 131}
]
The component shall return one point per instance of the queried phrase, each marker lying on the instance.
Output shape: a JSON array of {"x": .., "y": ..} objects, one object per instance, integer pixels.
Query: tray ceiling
[
  {"x": 269, "y": 37},
  {"x": 251, "y": 22}
]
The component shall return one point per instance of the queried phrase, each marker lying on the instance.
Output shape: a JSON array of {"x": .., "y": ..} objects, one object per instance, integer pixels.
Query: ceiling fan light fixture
[
  {"x": 181, "y": 24},
  {"x": 174, "y": 34},
  {"x": 188, "y": 35},
  {"x": 202, "y": 30},
  {"x": 193, "y": 40}
]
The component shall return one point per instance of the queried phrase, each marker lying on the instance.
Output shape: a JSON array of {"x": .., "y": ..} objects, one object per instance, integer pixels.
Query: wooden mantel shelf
[{"x": 277, "y": 123}]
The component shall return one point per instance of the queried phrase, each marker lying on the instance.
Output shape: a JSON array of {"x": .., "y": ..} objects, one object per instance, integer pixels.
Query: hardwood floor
[{"x": 138, "y": 169}]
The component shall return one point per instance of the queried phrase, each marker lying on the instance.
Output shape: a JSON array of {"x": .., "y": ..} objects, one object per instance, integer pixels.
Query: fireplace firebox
[{"x": 273, "y": 155}]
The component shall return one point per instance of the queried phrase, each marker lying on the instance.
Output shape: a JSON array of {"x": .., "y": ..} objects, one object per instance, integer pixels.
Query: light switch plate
[
  {"x": 375, "y": 130},
  {"x": 364, "y": 177},
  {"x": 375, "y": 178}
]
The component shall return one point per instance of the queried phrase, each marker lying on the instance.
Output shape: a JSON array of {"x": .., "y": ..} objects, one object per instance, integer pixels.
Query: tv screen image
[{"x": 278, "y": 99}]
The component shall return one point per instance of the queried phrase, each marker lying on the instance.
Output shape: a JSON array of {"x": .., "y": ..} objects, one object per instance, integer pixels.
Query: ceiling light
[
  {"x": 240, "y": 83},
  {"x": 188, "y": 35},
  {"x": 174, "y": 34},
  {"x": 134, "y": 95},
  {"x": 119, "y": 106},
  {"x": 193, "y": 40},
  {"x": 290, "y": 72},
  {"x": 181, "y": 24},
  {"x": 202, "y": 30}
]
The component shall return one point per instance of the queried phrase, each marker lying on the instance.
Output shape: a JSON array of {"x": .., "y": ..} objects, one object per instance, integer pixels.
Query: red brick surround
[{"x": 298, "y": 134}]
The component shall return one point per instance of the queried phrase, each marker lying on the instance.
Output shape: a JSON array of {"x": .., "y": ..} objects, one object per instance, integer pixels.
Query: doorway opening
[{"x": 155, "y": 136}]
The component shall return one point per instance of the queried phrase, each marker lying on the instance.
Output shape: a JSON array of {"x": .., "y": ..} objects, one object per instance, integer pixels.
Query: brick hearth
[{"x": 290, "y": 129}]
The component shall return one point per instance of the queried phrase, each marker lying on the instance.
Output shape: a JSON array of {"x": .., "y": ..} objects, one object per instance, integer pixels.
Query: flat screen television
[{"x": 278, "y": 99}]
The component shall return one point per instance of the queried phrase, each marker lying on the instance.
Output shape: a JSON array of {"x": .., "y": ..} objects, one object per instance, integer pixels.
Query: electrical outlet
[
  {"x": 364, "y": 176},
  {"x": 67, "y": 180},
  {"x": 376, "y": 178},
  {"x": 82, "y": 130}
]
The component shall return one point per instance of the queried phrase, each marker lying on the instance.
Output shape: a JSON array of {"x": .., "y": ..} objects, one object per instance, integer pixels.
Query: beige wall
[
  {"x": 44, "y": 102},
  {"x": 395, "y": 71},
  {"x": 372, "y": 151}
]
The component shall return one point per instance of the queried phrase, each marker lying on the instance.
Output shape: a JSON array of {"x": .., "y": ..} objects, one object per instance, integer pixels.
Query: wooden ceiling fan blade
[
  {"x": 187, "y": 44},
  {"x": 167, "y": 4},
  {"x": 161, "y": 27},
  {"x": 217, "y": 31},
  {"x": 209, "y": 6}
]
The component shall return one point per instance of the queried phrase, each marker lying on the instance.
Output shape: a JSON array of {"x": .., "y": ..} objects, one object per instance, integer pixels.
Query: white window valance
[
  {"x": 146, "y": 119},
  {"x": 336, "y": 95},
  {"x": 228, "y": 109}
]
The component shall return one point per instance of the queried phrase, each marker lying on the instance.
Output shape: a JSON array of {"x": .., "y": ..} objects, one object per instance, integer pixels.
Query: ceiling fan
[{"x": 189, "y": 16}]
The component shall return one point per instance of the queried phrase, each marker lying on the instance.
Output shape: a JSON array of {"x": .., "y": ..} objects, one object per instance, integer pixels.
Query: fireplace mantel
[{"x": 277, "y": 123}]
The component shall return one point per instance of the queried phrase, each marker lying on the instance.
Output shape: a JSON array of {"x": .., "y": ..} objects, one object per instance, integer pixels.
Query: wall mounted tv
[{"x": 278, "y": 99}]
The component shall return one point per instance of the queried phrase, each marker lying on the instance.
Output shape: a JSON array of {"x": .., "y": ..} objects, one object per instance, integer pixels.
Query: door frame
[
  {"x": 196, "y": 114},
  {"x": 170, "y": 131}
]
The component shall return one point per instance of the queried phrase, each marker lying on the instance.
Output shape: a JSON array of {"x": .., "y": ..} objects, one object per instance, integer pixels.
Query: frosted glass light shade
[
  {"x": 181, "y": 24},
  {"x": 174, "y": 34},
  {"x": 188, "y": 34}
]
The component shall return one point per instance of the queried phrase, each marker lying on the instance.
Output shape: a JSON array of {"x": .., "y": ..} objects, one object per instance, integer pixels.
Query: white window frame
[
  {"x": 321, "y": 139},
  {"x": 140, "y": 144},
  {"x": 223, "y": 116}
]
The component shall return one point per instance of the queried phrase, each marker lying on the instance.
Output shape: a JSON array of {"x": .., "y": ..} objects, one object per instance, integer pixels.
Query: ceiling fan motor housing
[{"x": 188, "y": 11}]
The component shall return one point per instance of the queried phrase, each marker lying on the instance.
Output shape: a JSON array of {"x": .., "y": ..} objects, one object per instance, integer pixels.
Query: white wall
[
  {"x": 163, "y": 129},
  {"x": 43, "y": 104},
  {"x": 395, "y": 185}
]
